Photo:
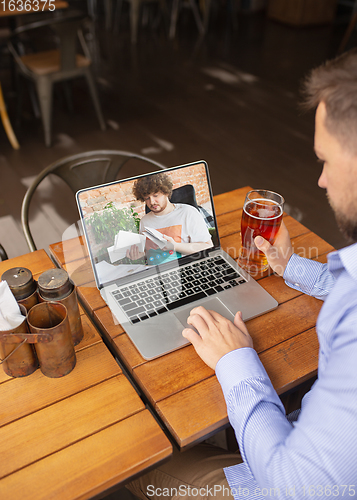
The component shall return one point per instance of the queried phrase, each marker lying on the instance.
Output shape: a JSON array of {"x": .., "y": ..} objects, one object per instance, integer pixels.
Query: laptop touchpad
[{"x": 212, "y": 304}]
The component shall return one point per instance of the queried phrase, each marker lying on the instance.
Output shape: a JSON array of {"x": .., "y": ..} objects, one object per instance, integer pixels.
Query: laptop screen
[{"x": 133, "y": 224}]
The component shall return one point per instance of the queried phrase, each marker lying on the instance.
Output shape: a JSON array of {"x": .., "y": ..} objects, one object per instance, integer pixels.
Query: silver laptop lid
[{"x": 122, "y": 222}]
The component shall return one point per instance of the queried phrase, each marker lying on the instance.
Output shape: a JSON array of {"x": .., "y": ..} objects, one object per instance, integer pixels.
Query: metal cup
[
  {"x": 17, "y": 355},
  {"x": 55, "y": 350}
]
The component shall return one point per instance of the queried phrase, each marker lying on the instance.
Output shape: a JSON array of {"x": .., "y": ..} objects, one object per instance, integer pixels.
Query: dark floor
[{"x": 231, "y": 99}]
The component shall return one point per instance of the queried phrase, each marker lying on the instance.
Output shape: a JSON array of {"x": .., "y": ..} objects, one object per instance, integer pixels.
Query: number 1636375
[{"x": 18, "y": 6}]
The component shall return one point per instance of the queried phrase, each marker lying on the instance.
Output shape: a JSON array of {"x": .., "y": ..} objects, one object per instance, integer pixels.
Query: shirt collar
[{"x": 344, "y": 258}]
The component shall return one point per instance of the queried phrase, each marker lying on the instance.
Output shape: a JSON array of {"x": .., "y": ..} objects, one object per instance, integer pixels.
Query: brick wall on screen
[
  {"x": 196, "y": 176},
  {"x": 121, "y": 194}
]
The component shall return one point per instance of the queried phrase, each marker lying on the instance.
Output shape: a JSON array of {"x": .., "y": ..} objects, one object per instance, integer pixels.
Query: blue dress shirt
[{"x": 316, "y": 455}]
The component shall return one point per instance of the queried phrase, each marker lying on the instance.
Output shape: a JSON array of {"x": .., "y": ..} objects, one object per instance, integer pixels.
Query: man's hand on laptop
[
  {"x": 217, "y": 335},
  {"x": 279, "y": 253}
]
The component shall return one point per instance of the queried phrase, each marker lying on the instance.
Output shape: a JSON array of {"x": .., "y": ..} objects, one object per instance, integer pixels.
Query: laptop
[{"x": 153, "y": 262}]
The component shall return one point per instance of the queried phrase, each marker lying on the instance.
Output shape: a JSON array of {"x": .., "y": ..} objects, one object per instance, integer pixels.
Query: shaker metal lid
[
  {"x": 20, "y": 281},
  {"x": 54, "y": 284}
]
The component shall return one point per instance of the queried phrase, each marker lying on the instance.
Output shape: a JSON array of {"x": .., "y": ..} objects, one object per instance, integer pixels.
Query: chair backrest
[
  {"x": 3, "y": 254},
  {"x": 80, "y": 171},
  {"x": 184, "y": 194}
]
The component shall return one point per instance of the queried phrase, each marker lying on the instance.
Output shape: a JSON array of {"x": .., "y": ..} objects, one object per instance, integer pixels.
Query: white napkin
[{"x": 10, "y": 314}]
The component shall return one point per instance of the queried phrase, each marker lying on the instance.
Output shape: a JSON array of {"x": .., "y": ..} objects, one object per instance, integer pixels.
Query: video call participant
[{"x": 180, "y": 224}]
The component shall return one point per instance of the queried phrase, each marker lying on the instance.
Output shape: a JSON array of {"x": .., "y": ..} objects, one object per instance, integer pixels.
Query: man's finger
[
  {"x": 239, "y": 323},
  {"x": 262, "y": 244},
  {"x": 191, "y": 336},
  {"x": 198, "y": 322},
  {"x": 203, "y": 313}
]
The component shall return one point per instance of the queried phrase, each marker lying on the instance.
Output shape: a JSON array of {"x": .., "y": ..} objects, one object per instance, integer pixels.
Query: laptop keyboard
[{"x": 176, "y": 288}]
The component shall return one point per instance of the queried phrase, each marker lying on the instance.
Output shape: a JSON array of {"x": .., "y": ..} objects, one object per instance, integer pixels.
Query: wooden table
[
  {"x": 77, "y": 436},
  {"x": 181, "y": 389}
]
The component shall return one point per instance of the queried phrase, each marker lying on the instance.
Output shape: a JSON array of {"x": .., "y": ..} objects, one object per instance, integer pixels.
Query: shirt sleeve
[
  {"x": 308, "y": 458},
  {"x": 309, "y": 276},
  {"x": 197, "y": 228}
]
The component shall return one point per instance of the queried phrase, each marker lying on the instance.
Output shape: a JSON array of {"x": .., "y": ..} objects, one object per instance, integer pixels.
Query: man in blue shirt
[{"x": 312, "y": 454}]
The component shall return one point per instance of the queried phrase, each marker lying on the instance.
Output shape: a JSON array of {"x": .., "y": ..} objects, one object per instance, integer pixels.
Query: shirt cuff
[
  {"x": 239, "y": 365},
  {"x": 302, "y": 273}
]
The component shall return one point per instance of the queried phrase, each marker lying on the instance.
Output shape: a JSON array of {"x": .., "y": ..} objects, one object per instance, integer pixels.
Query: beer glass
[{"x": 262, "y": 215}]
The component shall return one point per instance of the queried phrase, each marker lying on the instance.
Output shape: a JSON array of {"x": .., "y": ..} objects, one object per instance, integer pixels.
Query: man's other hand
[
  {"x": 217, "y": 335},
  {"x": 134, "y": 254},
  {"x": 279, "y": 253}
]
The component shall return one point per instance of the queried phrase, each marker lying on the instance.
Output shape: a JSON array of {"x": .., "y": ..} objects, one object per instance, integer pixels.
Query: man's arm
[
  {"x": 308, "y": 458},
  {"x": 188, "y": 248}
]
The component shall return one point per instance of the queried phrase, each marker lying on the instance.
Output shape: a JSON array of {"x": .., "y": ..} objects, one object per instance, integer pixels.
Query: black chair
[
  {"x": 3, "y": 254},
  {"x": 80, "y": 171},
  {"x": 184, "y": 194},
  {"x": 63, "y": 63}
]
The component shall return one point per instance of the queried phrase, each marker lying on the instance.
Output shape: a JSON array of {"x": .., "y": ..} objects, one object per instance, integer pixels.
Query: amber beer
[{"x": 261, "y": 216}]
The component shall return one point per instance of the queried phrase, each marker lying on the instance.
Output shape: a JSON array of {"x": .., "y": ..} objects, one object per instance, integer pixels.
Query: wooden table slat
[
  {"x": 205, "y": 412},
  {"x": 94, "y": 365},
  {"x": 158, "y": 380},
  {"x": 282, "y": 367},
  {"x": 37, "y": 262},
  {"x": 90, "y": 334},
  {"x": 64, "y": 423},
  {"x": 80, "y": 271},
  {"x": 90, "y": 466},
  {"x": 90, "y": 297},
  {"x": 228, "y": 202},
  {"x": 68, "y": 250}
]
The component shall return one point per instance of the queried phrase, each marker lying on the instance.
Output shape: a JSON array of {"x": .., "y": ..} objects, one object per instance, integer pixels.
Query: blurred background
[{"x": 216, "y": 80}]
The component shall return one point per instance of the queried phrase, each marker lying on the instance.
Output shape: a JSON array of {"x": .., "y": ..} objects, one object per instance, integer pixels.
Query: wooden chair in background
[{"x": 6, "y": 122}]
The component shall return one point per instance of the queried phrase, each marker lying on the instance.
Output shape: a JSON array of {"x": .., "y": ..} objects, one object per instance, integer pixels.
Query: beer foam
[{"x": 264, "y": 212}]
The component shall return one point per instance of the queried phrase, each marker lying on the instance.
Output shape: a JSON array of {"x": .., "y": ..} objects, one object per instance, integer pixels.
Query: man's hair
[
  {"x": 156, "y": 183},
  {"x": 335, "y": 84}
]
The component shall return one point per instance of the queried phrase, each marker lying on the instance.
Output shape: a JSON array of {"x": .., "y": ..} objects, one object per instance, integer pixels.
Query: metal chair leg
[
  {"x": 134, "y": 19},
  {"x": 173, "y": 21},
  {"x": 44, "y": 89},
  {"x": 95, "y": 99}
]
